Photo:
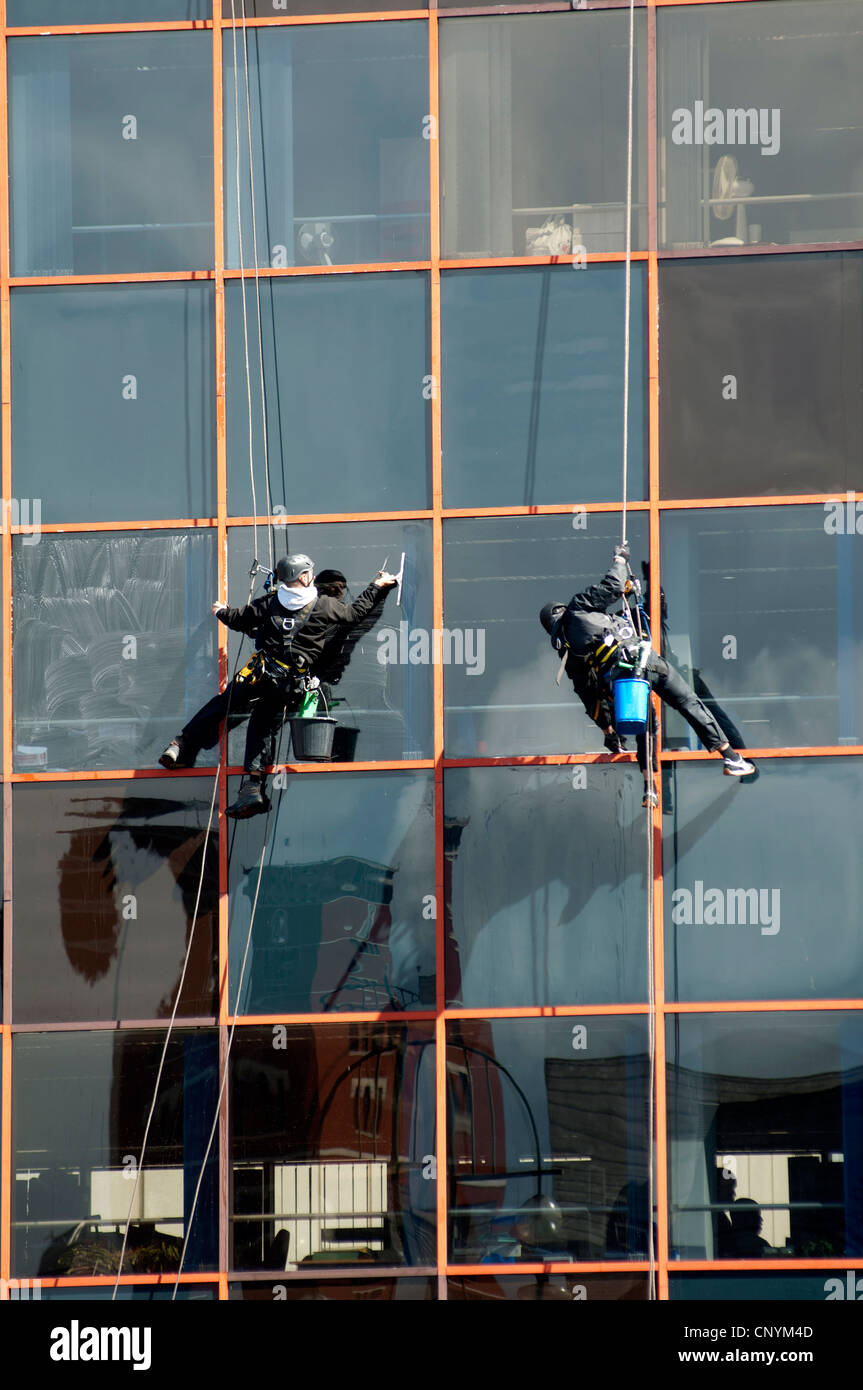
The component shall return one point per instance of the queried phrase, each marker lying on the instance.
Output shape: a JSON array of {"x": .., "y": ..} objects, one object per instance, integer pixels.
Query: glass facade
[{"x": 458, "y": 1018}]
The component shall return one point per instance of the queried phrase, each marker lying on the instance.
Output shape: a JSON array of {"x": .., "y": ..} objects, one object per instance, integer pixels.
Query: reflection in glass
[
  {"x": 763, "y": 357},
  {"x": 348, "y": 428},
  {"x": 379, "y": 1290},
  {"x": 128, "y": 1293},
  {"x": 766, "y": 1144},
  {"x": 100, "y": 183},
  {"x": 760, "y": 124},
  {"x": 760, "y": 620},
  {"x": 53, "y": 12},
  {"x": 340, "y": 165},
  {"x": 280, "y": 9},
  {"x": 501, "y": 697},
  {"x": 527, "y": 1288},
  {"x": 544, "y": 925},
  {"x": 532, "y": 380},
  {"x": 774, "y": 1286},
  {"x": 109, "y": 902},
  {"x": 80, "y": 1103},
  {"x": 333, "y": 1137},
  {"x": 548, "y": 1139},
  {"x": 384, "y": 693},
  {"x": 744, "y": 910},
  {"x": 526, "y": 169},
  {"x": 339, "y": 922},
  {"x": 114, "y": 413},
  {"x": 114, "y": 644}
]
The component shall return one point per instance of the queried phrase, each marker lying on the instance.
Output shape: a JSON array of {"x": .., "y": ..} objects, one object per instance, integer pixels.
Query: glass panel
[
  {"x": 766, "y": 1144},
  {"x": 129, "y": 1293},
  {"x": 109, "y": 902},
  {"x": 347, "y": 391},
  {"x": 733, "y": 893},
  {"x": 499, "y": 683},
  {"x": 340, "y": 170},
  {"x": 26, "y": 12},
  {"x": 385, "y": 692},
  {"x": 593, "y": 1288},
  {"x": 333, "y": 1146},
  {"x": 546, "y": 926},
  {"x": 760, "y": 620},
  {"x": 80, "y": 1103},
  {"x": 336, "y": 1290},
  {"x": 114, "y": 645},
  {"x": 548, "y": 1139},
  {"x": 765, "y": 359},
  {"x": 515, "y": 92},
  {"x": 785, "y": 171},
  {"x": 344, "y": 917},
  {"x": 533, "y": 385},
  {"x": 277, "y": 9},
  {"x": 114, "y": 402},
  {"x": 776, "y": 1287},
  {"x": 99, "y": 181}
]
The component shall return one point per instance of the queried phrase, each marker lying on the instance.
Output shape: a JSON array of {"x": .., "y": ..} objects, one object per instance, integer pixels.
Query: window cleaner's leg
[
  {"x": 672, "y": 688},
  {"x": 202, "y": 730},
  {"x": 260, "y": 751}
]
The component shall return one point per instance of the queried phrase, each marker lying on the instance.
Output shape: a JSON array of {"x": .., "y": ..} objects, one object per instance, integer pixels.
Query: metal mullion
[
  {"x": 6, "y": 572},
  {"x": 142, "y": 27}
]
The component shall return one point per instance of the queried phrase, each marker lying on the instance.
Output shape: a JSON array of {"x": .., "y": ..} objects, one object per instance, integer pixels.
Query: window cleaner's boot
[
  {"x": 252, "y": 800},
  {"x": 178, "y": 754},
  {"x": 734, "y": 765}
]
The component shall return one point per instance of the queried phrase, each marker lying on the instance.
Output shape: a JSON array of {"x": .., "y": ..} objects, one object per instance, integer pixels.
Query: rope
[{"x": 628, "y": 271}]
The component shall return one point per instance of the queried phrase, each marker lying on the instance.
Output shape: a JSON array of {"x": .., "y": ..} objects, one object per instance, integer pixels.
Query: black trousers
[
  {"x": 671, "y": 688},
  {"x": 266, "y": 703}
]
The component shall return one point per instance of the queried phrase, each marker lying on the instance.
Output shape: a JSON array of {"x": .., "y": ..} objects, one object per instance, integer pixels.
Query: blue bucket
[{"x": 630, "y": 705}]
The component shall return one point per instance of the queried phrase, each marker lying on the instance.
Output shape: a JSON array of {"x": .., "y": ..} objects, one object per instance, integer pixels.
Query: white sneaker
[{"x": 735, "y": 766}]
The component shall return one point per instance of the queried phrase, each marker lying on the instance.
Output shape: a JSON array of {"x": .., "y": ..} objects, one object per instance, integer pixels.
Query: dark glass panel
[
  {"x": 107, "y": 905},
  {"x": 26, "y": 12},
  {"x": 99, "y": 181},
  {"x": 568, "y": 1288},
  {"x": 114, "y": 645},
  {"x": 347, "y": 394},
  {"x": 761, "y": 360},
  {"x": 332, "y": 1151},
  {"x": 744, "y": 910},
  {"x": 344, "y": 917},
  {"x": 128, "y": 1293},
  {"x": 548, "y": 1139},
  {"x": 533, "y": 385},
  {"x": 760, "y": 123},
  {"x": 499, "y": 685},
  {"x": 340, "y": 165},
  {"x": 766, "y": 1142},
  {"x": 80, "y": 1103},
  {"x": 386, "y": 691},
  {"x": 381, "y": 1290},
  {"x": 533, "y": 134},
  {"x": 760, "y": 619},
  {"x": 278, "y": 9},
  {"x": 816, "y": 1286},
  {"x": 114, "y": 401},
  {"x": 528, "y": 920}
]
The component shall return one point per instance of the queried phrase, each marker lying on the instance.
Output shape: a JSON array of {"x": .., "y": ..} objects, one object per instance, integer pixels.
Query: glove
[{"x": 621, "y": 552}]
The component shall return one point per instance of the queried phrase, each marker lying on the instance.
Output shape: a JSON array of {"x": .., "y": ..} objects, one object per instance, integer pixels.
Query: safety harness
[{"x": 262, "y": 664}]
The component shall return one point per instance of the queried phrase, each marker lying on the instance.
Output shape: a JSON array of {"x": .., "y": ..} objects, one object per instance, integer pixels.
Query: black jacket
[
  {"x": 304, "y": 643},
  {"x": 586, "y": 619}
]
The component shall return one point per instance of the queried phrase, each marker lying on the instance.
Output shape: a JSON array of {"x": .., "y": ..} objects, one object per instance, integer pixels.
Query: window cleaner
[{"x": 597, "y": 647}]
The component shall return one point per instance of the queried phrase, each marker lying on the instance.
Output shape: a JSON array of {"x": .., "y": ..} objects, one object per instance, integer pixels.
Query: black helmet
[
  {"x": 551, "y": 615},
  {"x": 291, "y": 567}
]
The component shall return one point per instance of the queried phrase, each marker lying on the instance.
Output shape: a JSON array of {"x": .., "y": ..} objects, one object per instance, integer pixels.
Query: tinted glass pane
[
  {"x": 340, "y": 921},
  {"x": 385, "y": 692},
  {"x": 766, "y": 1144},
  {"x": 761, "y": 123},
  {"x": 345, "y": 367},
  {"x": 763, "y": 356},
  {"x": 114, "y": 645},
  {"x": 548, "y": 1139},
  {"x": 335, "y": 1290},
  {"x": 545, "y": 926},
  {"x": 533, "y": 385},
  {"x": 107, "y": 906},
  {"x": 99, "y": 180},
  {"x": 515, "y": 92},
  {"x": 761, "y": 621},
  {"x": 333, "y": 1128},
  {"x": 276, "y": 9},
  {"x": 593, "y": 1288},
  {"x": 25, "y": 12},
  {"x": 499, "y": 682},
  {"x": 114, "y": 413},
  {"x": 340, "y": 164},
  {"x": 744, "y": 910},
  {"x": 80, "y": 1104},
  {"x": 818, "y": 1286},
  {"x": 128, "y": 1293}
]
